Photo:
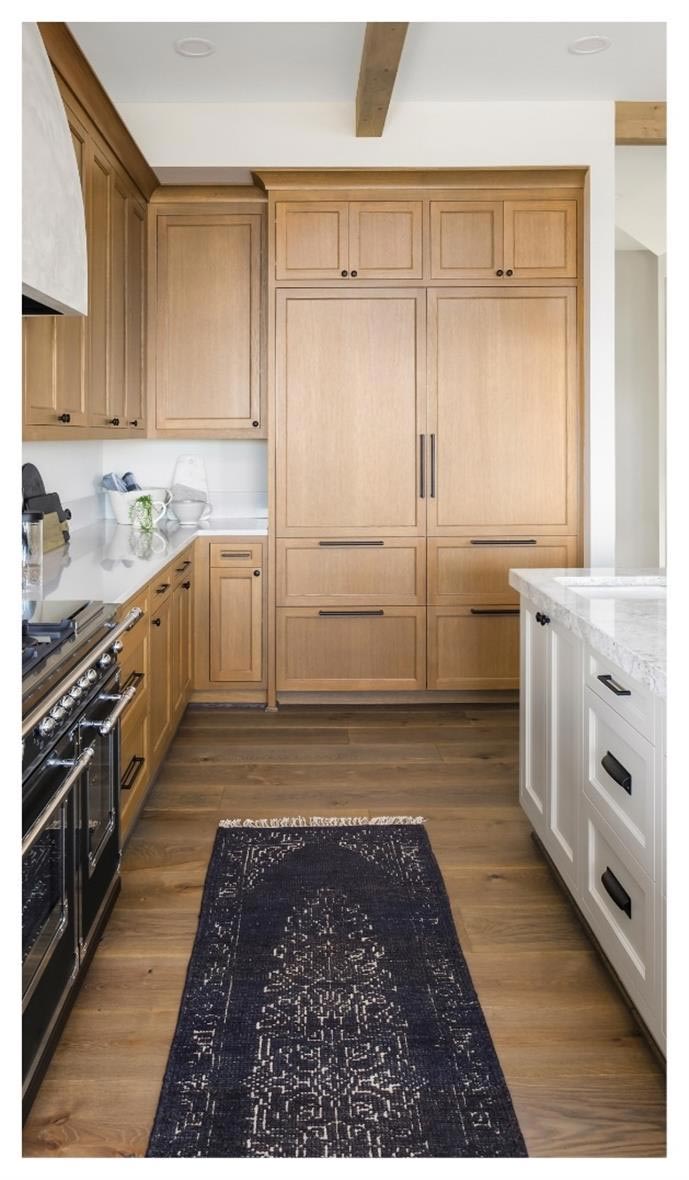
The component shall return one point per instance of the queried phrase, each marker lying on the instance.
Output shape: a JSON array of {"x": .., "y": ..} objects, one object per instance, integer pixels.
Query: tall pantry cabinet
[{"x": 425, "y": 405}]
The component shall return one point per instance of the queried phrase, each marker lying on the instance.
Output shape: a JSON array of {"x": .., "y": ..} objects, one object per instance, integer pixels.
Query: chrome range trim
[
  {"x": 56, "y": 693},
  {"x": 77, "y": 768}
]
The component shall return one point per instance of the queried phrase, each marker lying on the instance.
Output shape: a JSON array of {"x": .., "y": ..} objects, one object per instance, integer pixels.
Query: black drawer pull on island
[
  {"x": 617, "y": 772},
  {"x": 617, "y": 892}
]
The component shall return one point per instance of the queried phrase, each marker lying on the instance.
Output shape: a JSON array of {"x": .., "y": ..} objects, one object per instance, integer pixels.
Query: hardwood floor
[{"x": 583, "y": 1080}]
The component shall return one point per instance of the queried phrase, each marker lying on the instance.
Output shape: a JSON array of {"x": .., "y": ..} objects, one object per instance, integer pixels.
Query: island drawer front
[
  {"x": 465, "y": 570},
  {"x": 621, "y": 692},
  {"x": 236, "y": 553},
  {"x": 620, "y": 778},
  {"x": 362, "y": 649},
  {"x": 344, "y": 571},
  {"x": 622, "y": 916}
]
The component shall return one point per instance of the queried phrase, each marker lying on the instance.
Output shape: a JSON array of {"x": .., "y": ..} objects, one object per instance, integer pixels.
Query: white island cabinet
[{"x": 592, "y": 759}]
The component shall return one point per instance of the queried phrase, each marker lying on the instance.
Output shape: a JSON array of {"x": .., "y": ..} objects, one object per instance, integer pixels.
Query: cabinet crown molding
[{"x": 408, "y": 178}]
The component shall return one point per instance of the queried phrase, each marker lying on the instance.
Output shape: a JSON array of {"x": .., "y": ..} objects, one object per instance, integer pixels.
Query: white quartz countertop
[
  {"x": 110, "y": 562},
  {"x": 620, "y": 613}
]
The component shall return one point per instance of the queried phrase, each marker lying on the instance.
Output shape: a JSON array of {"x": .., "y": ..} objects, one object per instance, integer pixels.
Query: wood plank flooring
[{"x": 583, "y": 1080}]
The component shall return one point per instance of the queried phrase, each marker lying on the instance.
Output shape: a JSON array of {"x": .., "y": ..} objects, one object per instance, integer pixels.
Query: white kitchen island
[{"x": 592, "y": 758}]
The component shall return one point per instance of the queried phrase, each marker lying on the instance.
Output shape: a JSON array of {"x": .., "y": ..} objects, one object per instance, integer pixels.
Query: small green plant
[{"x": 141, "y": 513}]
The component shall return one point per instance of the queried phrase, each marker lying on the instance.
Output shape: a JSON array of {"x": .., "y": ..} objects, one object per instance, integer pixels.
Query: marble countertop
[
  {"x": 110, "y": 562},
  {"x": 626, "y": 629}
]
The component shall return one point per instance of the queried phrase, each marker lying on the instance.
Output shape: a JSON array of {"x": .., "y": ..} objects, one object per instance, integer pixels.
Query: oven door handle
[
  {"x": 78, "y": 766},
  {"x": 123, "y": 699}
]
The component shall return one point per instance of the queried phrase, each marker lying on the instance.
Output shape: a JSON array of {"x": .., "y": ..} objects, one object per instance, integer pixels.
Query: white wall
[
  {"x": 637, "y": 408},
  {"x": 460, "y": 135}
]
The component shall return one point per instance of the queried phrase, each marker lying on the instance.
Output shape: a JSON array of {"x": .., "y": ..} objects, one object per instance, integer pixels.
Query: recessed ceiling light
[
  {"x": 586, "y": 45},
  {"x": 194, "y": 47}
]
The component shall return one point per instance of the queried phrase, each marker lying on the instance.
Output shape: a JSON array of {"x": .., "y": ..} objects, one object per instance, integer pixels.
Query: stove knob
[
  {"x": 58, "y": 713},
  {"x": 46, "y": 726},
  {"x": 67, "y": 703},
  {"x": 92, "y": 676},
  {"x": 84, "y": 681},
  {"x": 106, "y": 660},
  {"x": 75, "y": 691},
  {"x": 117, "y": 646}
]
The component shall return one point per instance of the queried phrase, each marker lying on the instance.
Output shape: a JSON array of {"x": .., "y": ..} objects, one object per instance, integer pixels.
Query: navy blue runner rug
[{"x": 328, "y": 1009}]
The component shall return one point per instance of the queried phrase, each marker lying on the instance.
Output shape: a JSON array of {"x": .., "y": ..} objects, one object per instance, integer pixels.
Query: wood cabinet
[
  {"x": 236, "y": 625},
  {"x": 504, "y": 418},
  {"x": 348, "y": 240},
  {"x": 350, "y": 376},
  {"x": 182, "y": 637},
  {"x": 474, "y": 570},
  {"x": 207, "y": 362},
  {"x": 372, "y": 649},
  {"x": 161, "y": 689},
  {"x": 390, "y": 571},
  {"x": 506, "y": 240},
  {"x": 473, "y": 647},
  {"x": 84, "y": 375}
]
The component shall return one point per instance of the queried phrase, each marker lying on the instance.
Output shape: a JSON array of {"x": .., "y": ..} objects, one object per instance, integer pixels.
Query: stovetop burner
[{"x": 40, "y": 639}]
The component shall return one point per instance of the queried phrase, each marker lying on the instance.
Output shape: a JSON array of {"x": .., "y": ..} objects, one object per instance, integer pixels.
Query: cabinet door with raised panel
[
  {"x": 208, "y": 330},
  {"x": 55, "y": 348},
  {"x": 350, "y": 383},
  {"x": 386, "y": 239},
  {"x": 236, "y": 623},
  {"x": 311, "y": 240},
  {"x": 503, "y": 411},
  {"x": 541, "y": 239},
  {"x": 466, "y": 239}
]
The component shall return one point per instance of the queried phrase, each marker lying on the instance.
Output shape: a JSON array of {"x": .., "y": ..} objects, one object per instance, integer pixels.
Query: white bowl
[
  {"x": 121, "y": 503},
  {"x": 190, "y": 512}
]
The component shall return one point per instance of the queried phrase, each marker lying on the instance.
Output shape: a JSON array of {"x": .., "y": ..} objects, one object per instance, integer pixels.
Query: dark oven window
[{"x": 44, "y": 896}]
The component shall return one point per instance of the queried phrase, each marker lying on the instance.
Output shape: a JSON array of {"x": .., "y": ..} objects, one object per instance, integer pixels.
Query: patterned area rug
[{"x": 328, "y": 1009}]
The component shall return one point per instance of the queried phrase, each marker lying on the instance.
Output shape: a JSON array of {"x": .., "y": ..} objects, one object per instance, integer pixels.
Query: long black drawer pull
[
  {"x": 617, "y": 892},
  {"x": 351, "y": 614},
  {"x": 493, "y": 541},
  {"x": 477, "y": 610},
  {"x": 433, "y": 463},
  {"x": 422, "y": 466},
  {"x": 617, "y": 771},
  {"x": 351, "y": 544},
  {"x": 132, "y": 772},
  {"x": 612, "y": 684}
]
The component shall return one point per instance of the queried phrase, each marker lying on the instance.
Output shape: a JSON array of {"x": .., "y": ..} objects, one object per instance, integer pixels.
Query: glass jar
[{"x": 32, "y": 550}]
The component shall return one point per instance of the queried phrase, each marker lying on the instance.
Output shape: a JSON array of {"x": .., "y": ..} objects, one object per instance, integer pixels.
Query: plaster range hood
[{"x": 54, "y": 267}]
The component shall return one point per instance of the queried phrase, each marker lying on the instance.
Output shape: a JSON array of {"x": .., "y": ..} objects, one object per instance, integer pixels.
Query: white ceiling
[{"x": 319, "y": 62}]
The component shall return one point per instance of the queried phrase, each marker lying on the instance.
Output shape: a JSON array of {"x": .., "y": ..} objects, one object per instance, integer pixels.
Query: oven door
[
  {"x": 50, "y": 956},
  {"x": 98, "y": 837}
]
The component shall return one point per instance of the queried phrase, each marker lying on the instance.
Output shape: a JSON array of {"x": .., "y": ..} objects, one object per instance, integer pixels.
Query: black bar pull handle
[
  {"x": 433, "y": 474},
  {"x": 612, "y": 684},
  {"x": 617, "y": 892},
  {"x": 132, "y": 772},
  {"x": 617, "y": 771},
  {"x": 351, "y": 544},
  {"x": 351, "y": 614},
  {"x": 479, "y": 610},
  {"x": 502, "y": 541},
  {"x": 422, "y": 467}
]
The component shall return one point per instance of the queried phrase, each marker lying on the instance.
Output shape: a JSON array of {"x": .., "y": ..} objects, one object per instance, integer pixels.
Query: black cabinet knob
[
  {"x": 257, "y": 573},
  {"x": 539, "y": 616},
  {"x": 254, "y": 423},
  {"x": 64, "y": 417},
  {"x": 156, "y": 622},
  {"x": 186, "y": 585},
  {"x": 354, "y": 274},
  {"x": 114, "y": 421},
  {"x": 344, "y": 274},
  {"x": 499, "y": 272},
  {"x": 135, "y": 422},
  {"x": 509, "y": 272}
]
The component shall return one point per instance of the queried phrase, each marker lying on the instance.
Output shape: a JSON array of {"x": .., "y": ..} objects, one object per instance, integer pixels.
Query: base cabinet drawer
[
  {"x": 473, "y": 647},
  {"x": 619, "y": 774},
  {"x": 134, "y": 762},
  {"x": 234, "y": 553},
  {"x": 618, "y": 900},
  {"x": 330, "y": 649},
  {"x": 474, "y": 570},
  {"x": 621, "y": 692},
  {"x": 347, "y": 572}
]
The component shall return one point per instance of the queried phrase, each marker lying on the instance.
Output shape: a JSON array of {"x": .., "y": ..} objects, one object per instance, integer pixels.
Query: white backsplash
[{"x": 236, "y": 471}]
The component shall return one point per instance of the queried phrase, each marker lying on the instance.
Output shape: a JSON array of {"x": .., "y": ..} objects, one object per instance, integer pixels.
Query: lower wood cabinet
[
  {"x": 349, "y": 572},
  {"x": 335, "y": 649},
  {"x": 236, "y": 624},
  {"x": 182, "y": 638},
  {"x": 474, "y": 570},
  {"x": 473, "y": 647},
  {"x": 161, "y": 687}
]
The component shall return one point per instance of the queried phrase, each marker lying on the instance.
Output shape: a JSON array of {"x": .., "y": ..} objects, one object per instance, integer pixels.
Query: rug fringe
[{"x": 321, "y": 821}]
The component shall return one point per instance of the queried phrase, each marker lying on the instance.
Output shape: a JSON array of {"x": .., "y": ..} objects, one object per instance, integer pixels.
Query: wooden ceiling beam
[
  {"x": 640, "y": 123},
  {"x": 380, "y": 58}
]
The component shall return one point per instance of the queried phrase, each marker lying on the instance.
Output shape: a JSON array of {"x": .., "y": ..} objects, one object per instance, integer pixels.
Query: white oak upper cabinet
[
  {"x": 510, "y": 241},
  {"x": 350, "y": 409},
  {"x": 348, "y": 240}
]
